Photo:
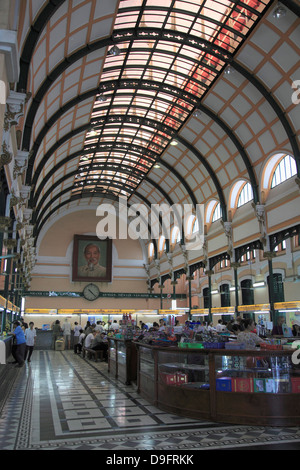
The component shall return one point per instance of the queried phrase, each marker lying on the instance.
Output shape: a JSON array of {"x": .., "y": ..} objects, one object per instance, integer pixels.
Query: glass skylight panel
[{"x": 163, "y": 70}]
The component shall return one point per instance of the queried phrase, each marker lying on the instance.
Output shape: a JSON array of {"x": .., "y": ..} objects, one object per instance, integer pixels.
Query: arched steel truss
[{"x": 184, "y": 98}]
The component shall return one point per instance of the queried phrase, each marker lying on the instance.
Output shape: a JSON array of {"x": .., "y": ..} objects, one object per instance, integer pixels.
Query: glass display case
[
  {"x": 122, "y": 359},
  {"x": 112, "y": 357},
  {"x": 147, "y": 372},
  {"x": 258, "y": 374},
  {"x": 188, "y": 370},
  {"x": 235, "y": 386}
]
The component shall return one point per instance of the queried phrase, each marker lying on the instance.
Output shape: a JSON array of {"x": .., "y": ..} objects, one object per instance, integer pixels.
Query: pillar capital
[
  {"x": 209, "y": 272},
  {"x": 269, "y": 254},
  {"x": 235, "y": 264}
]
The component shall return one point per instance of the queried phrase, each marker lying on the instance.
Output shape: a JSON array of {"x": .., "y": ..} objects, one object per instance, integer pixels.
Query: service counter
[
  {"x": 260, "y": 387},
  {"x": 5, "y": 348},
  {"x": 122, "y": 363}
]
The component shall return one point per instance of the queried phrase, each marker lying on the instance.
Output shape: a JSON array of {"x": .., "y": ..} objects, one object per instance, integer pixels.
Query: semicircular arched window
[
  {"x": 175, "y": 235},
  {"x": 284, "y": 170},
  {"x": 150, "y": 251},
  {"x": 161, "y": 244},
  {"x": 246, "y": 195},
  {"x": 217, "y": 213}
]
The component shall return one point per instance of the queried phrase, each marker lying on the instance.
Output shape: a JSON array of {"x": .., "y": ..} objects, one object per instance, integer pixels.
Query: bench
[{"x": 96, "y": 354}]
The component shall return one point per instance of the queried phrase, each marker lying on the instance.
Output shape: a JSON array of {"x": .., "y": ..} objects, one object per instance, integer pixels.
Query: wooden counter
[{"x": 187, "y": 382}]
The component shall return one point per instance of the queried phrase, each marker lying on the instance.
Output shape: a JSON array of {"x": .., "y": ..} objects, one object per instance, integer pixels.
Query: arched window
[
  {"x": 278, "y": 289},
  {"x": 195, "y": 226},
  {"x": 205, "y": 297},
  {"x": 246, "y": 195},
  {"x": 247, "y": 292},
  {"x": 151, "y": 251},
  {"x": 190, "y": 225},
  {"x": 175, "y": 235},
  {"x": 161, "y": 243},
  {"x": 225, "y": 295},
  {"x": 285, "y": 169},
  {"x": 217, "y": 213}
]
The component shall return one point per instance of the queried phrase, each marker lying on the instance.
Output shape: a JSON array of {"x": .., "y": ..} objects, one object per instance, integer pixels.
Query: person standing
[
  {"x": 30, "y": 335},
  {"x": 56, "y": 333},
  {"x": 77, "y": 331},
  {"x": 98, "y": 327},
  {"x": 66, "y": 329},
  {"x": 19, "y": 336},
  {"x": 79, "y": 345}
]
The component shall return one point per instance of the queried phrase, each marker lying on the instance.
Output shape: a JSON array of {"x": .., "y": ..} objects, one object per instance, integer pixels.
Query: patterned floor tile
[{"x": 64, "y": 402}]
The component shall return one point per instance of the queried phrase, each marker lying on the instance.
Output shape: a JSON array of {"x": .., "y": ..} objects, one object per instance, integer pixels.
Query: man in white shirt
[
  {"x": 66, "y": 328},
  {"x": 89, "y": 339},
  {"x": 77, "y": 330},
  {"x": 220, "y": 327},
  {"x": 115, "y": 325},
  {"x": 98, "y": 327},
  {"x": 30, "y": 336}
]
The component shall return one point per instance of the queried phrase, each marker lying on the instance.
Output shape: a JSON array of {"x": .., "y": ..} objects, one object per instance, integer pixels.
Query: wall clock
[{"x": 91, "y": 292}]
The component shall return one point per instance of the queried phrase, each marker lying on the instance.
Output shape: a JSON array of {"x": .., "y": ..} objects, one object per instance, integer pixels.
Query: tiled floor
[{"x": 63, "y": 402}]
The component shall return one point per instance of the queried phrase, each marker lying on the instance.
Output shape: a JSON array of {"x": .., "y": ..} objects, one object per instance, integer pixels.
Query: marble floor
[{"x": 61, "y": 401}]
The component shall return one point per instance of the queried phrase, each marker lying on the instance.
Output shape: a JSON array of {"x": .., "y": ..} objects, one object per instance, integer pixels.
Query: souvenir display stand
[{"x": 260, "y": 387}]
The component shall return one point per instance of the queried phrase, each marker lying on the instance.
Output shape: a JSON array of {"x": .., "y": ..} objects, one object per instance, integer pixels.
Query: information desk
[
  {"x": 230, "y": 386},
  {"x": 122, "y": 356}
]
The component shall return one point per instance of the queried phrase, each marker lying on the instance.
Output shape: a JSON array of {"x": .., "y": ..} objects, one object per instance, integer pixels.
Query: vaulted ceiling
[{"x": 114, "y": 84}]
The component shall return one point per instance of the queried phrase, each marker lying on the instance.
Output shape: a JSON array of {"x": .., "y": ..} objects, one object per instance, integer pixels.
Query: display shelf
[{"x": 236, "y": 386}]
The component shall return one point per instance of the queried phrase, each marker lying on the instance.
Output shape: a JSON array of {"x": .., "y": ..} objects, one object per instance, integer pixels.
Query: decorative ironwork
[
  {"x": 277, "y": 238},
  {"x": 242, "y": 250}
]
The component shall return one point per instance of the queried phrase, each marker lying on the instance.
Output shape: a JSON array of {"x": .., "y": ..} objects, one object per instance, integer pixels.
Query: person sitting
[
  {"x": 277, "y": 329},
  {"x": 247, "y": 337},
  {"x": 220, "y": 326},
  {"x": 99, "y": 343},
  {"x": 89, "y": 339}
]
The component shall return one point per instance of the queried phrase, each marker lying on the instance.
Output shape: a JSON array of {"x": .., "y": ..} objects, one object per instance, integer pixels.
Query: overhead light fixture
[
  {"x": 279, "y": 12},
  {"x": 156, "y": 165},
  {"x": 197, "y": 113},
  {"x": 174, "y": 142},
  {"x": 229, "y": 70},
  {"x": 101, "y": 98},
  {"x": 114, "y": 51},
  {"x": 259, "y": 284}
]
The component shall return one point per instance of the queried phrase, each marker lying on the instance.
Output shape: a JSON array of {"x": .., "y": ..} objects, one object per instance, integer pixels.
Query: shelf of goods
[
  {"x": 259, "y": 387},
  {"x": 122, "y": 359}
]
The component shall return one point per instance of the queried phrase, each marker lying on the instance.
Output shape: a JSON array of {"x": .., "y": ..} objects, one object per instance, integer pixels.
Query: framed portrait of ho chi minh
[{"x": 92, "y": 259}]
